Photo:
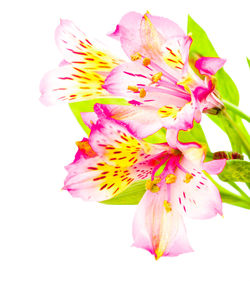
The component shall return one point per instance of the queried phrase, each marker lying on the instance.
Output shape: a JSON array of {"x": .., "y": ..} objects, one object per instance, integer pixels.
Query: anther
[
  {"x": 142, "y": 93},
  {"x": 188, "y": 178},
  {"x": 152, "y": 185},
  {"x": 133, "y": 89},
  {"x": 167, "y": 206},
  {"x": 135, "y": 56},
  {"x": 146, "y": 61},
  {"x": 170, "y": 178},
  {"x": 156, "y": 77}
]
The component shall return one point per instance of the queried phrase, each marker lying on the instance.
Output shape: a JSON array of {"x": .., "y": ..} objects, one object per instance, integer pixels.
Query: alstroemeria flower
[
  {"x": 110, "y": 160},
  {"x": 159, "y": 79},
  {"x": 182, "y": 190},
  {"x": 113, "y": 158},
  {"x": 82, "y": 73}
]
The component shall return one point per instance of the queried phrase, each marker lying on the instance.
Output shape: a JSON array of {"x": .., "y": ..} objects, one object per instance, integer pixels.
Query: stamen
[
  {"x": 85, "y": 148},
  {"x": 152, "y": 185},
  {"x": 156, "y": 77},
  {"x": 167, "y": 206},
  {"x": 133, "y": 89},
  {"x": 135, "y": 56},
  {"x": 170, "y": 178},
  {"x": 142, "y": 93},
  {"x": 146, "y": 61},
  {"x": 188, "y": 178}
]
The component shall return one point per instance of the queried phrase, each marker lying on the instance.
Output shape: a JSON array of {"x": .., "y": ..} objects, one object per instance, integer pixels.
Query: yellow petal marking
[
  {"x": 173, "y": 58},
  {"x": 168, "y": 111},
  {"x": 113, "y": 179},
  {"x": 125, "y": 150}
]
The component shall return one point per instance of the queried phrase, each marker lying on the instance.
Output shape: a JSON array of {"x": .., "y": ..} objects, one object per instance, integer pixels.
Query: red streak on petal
[
  {"x": 100, "y": 178},
  {"x": 103, "y": 186},
  {"x": 65, "y": 78},
  {"x": 88, "y": 42},
  {"x": 110, "y": 186},
  {"x": 131, "y": 74},
  {"x": 60, "y": 89}
]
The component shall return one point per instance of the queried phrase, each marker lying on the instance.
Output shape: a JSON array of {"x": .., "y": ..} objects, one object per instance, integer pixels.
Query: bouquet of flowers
[{"x": 143, "y": 142}]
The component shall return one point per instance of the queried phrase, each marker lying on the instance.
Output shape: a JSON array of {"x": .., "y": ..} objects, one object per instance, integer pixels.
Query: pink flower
[
  {"x": 113, "y": 158},
  {"x": 82, "y": 73},
  {"x": 159, "y": 79}
]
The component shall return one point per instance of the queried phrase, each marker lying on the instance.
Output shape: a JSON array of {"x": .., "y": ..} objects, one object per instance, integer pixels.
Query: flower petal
[
  {"x": 194, "y": 194},
  {"x": 128, "y": 32},
  {"x": 95, "y": 180},
  {"x": 133, "y": 30},
  {"x": 70, "y": 83},
  {"x": 107, "y": 163},
  {"x": 129, "y": 78},
  {"x": 214, "y": 167},
  {"x": 79, "y": 50},
  {"x": 209, "y": 65},
  {"x": 119, "y": 146},
  {"x": 158, "y": 230}
]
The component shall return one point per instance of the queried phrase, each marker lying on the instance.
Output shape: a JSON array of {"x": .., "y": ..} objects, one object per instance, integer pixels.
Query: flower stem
[
  {"x": 237, "y": 130},
  {"x": 234, "y": 185},
  {"x": 236, "y": 110},
  {"x": 229, "y": 197}
]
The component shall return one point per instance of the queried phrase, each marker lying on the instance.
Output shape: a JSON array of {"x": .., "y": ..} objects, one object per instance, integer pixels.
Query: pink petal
[
  {"x": 209, "y": 65},
  {"x": 66, "y": 84},
  {"x": 135, "y": 74},
  {"x": 160, "y": 232},
  {"x": 199, "y": 198},
  {"x": 214, "y": 167},
  {"x": 131, "y": 35},
  {"x": 115, "y": 142},
  {"x": 166, "y": 27},
  {"x": 89, "y": 118},
  {"x": 128, "y": 31},
  {"x": 142, "y": 121},
  {"x": 93, "y": 179},
  {"x": 77, "y": 49}
]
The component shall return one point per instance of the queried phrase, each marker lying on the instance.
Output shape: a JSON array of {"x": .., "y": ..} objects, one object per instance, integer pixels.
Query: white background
[{"x": 46, "y": 234}]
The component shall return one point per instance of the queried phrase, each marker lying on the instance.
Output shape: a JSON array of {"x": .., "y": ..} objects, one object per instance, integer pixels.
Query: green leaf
[
  {"x": 88, "y": 106},
  {"x": 248, "y": 61},
  {"x": 158, "y": 137},
  {"x": 202, "y": 46},
  {"x": 195, "y": 134},
  {"x": 131, "y": 196},
  {"x": 236, "y": 170},
  {"x": 229, "y": 197}
]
